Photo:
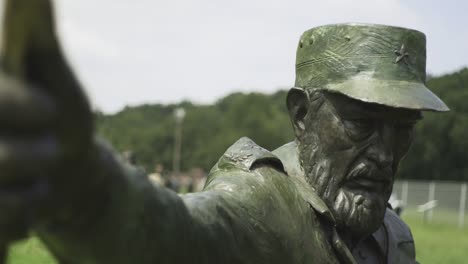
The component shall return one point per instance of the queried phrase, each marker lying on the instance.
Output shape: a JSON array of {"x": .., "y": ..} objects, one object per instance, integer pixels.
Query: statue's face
[{"x": 350, "y": 151}]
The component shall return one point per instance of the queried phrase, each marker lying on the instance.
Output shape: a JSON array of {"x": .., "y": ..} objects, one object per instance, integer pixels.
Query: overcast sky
[{"x": 128, "y": 52}]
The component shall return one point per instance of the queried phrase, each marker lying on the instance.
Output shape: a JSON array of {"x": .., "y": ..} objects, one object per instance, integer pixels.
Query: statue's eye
[
  {"x": 405, "y": 125},
  {"x": 359, "y": 129},
  {"x": 359, "y": 124},
  {"x": 404, "y": 136},
  {"x": 404, "y": 130}
]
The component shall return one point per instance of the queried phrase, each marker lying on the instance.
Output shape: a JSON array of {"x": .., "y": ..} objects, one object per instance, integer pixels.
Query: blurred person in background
[
  {"x": 156, "y": 176},
  {"x": 198, "y": 179}
]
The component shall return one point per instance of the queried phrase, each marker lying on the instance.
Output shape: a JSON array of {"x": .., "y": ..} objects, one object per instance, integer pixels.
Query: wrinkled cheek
[
  {"x": 333, "y": 136},
  {"x": 401, "y": 148}
]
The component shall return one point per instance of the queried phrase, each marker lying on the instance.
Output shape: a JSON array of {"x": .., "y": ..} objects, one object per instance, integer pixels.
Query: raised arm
[
  {"x": 70, "y": 188},
  {"x": 56, "y": 179}
]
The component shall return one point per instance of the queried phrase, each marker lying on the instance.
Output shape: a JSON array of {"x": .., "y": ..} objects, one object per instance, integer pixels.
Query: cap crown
[
  {"x": 373, "y": 63},
  {"x": 334, "y": 53}
]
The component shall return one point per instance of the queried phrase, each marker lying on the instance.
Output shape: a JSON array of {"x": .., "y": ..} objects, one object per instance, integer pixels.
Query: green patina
[
  {"x": 258, "y": 206},
  {"x": 373, "y": 63}
]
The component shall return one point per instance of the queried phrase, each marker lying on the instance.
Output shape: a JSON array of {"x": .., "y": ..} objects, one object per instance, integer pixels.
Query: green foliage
[
  {"x": 208, "y": 130},
  {"x": 438, "y": 152},
  {"x": 30, "y": 251}
]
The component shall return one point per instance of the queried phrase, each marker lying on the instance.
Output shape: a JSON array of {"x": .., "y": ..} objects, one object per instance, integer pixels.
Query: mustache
[{"x": 370, "y": 171}]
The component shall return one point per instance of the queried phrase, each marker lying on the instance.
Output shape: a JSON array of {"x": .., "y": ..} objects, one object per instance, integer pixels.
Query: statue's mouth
[
  {"x": 368, "y": 184},
  {"x": 368, "y": 177}
]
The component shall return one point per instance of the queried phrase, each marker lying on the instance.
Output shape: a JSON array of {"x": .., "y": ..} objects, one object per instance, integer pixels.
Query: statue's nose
[{"x": 381, "y": 150}]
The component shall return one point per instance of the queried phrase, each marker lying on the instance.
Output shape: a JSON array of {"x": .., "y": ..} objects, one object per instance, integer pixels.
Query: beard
[
  {"x": 358, "y": 211},
  {"x": 360, "y": 214}
]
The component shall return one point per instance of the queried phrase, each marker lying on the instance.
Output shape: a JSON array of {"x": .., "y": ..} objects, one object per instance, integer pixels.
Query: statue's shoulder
[
  {"x": 399, "y": 241},
  {"x": 248, "y": 174},
  {"x": 398, "y": 230},
  {"x": 246, "y": 155}
]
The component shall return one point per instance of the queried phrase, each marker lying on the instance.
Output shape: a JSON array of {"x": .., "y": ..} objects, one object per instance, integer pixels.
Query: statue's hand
[{"x": 45, "y": 120}]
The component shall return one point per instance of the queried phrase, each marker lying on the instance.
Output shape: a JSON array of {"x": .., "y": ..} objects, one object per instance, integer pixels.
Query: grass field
[
  {"x": 436, "y": 243},
  {"x": 31, "y": 251},
  {"x": 439, "y": 243}
]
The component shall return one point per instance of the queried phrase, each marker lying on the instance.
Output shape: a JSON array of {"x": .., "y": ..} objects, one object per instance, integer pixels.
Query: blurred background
[
  {"x": 175, "y": 83},
  {"x": 146, "y": 51}
]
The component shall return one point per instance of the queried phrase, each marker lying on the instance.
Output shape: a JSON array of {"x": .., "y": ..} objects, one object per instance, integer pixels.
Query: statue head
[{"x": 359, "y": 91}]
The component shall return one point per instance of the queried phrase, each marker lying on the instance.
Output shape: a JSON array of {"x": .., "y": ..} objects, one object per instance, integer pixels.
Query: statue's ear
[{"x": 297, "y": 102}]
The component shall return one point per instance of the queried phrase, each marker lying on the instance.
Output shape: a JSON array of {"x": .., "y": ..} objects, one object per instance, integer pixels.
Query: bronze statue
[{"x": 320, "y": 199}]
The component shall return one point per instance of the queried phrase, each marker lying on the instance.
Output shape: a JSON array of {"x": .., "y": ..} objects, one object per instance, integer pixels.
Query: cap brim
[{"x": 392, "y": 93}]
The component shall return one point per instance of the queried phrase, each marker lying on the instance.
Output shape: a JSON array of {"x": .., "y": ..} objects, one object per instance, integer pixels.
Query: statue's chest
[{"x": 317, "y": 243}]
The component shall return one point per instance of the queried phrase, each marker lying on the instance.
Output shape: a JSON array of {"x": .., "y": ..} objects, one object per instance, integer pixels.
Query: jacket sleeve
[
  {"x": 108, "y": 212},
  {"x": 122, "y": 218}
]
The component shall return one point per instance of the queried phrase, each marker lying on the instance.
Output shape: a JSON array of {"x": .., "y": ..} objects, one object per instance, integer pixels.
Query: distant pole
[
  {"x": 461, "y": 216},
  {"x": 431, "y": 197},
  {"x": 179, "y": 115},
  {"x": 404, "y": 192}
]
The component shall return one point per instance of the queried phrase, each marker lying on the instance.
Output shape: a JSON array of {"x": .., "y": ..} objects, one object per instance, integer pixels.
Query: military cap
[{"x": 371, "y": 63}]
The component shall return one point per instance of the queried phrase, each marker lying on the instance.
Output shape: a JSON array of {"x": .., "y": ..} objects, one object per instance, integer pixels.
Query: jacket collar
[{"x": 289, "y": 156}]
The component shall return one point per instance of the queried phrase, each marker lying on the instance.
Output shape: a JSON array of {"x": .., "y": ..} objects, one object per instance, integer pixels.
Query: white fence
[{"x": 435, "y": 201}]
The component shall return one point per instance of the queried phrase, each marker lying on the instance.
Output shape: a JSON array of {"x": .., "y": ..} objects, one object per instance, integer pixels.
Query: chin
[{"x": 357, "y": 212}]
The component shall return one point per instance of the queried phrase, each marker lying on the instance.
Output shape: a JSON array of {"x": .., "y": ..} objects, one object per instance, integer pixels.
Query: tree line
[{"x": 439, "y": 151}]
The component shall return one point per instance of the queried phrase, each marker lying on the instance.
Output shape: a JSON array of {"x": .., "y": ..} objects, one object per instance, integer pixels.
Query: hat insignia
[{"x": 402, "y": 55}]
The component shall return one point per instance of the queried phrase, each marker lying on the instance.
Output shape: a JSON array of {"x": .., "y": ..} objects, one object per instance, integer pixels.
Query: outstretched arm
[
  {"x": 68, "y": 187},
  {"x": 40, "y": 104},
  {"x": 56, "y": 178},
  {"x": 112, "y": 214}
]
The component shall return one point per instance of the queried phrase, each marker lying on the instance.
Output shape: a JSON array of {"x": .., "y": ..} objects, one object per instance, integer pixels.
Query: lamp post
[{"x": 179, "y": 115}]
